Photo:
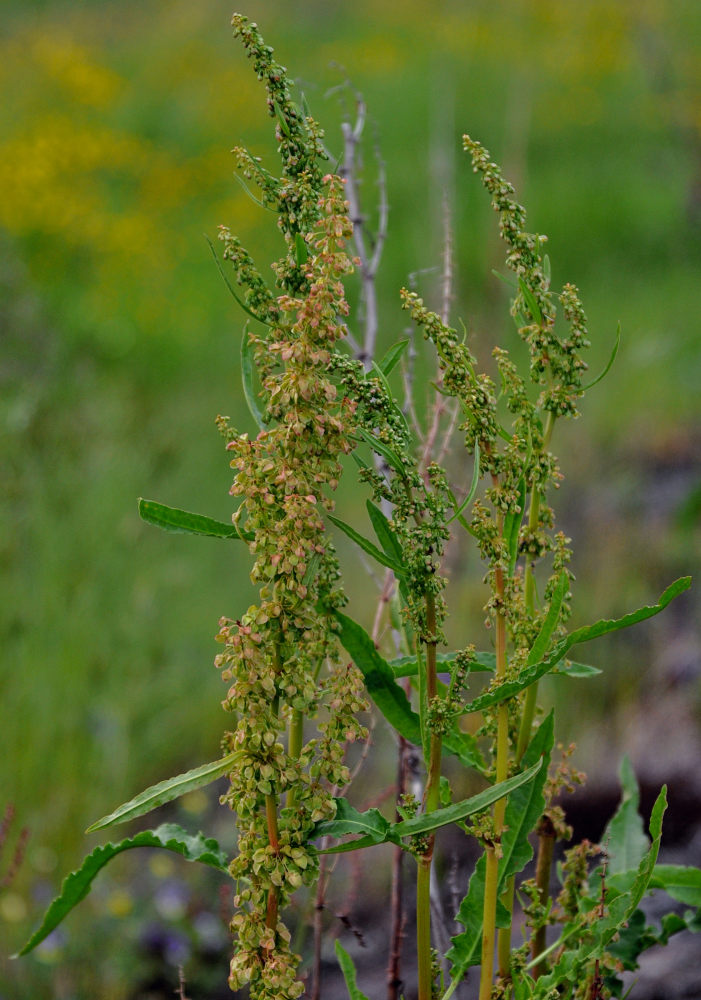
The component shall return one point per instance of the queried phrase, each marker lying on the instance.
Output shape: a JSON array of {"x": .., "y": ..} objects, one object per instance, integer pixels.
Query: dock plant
[{"x": 302, "y": 670}]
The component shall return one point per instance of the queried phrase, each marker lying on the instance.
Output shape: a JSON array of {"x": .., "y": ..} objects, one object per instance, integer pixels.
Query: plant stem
[
  {"x": 431, "y": 802},
  {"x": 531, "y": 697},
  {"x": 271, "y": 805},
  {"x": 294, "y": 747},
  {"x": 545, "y": 852},
  {"x": 273, "y": 840},
  {"x": 394, "y": 980},
  {"x": 502, "y": 770},
  {"x": 546, "y": 843}
]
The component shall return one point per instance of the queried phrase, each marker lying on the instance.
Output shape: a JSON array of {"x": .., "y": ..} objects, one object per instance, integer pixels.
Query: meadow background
[{"x": 119, "y": 346}]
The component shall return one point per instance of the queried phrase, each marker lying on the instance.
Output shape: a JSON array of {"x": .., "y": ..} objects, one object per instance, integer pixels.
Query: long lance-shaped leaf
[
  {"x": 391, "y": 359},
  {"x": 231, "y": 287},
  {"x": 389, "y": 697},
  {"x": 530, "y": 674},
  {"x": 385, "y": 534},
  {"x": 382, "y": 449},
  {"x": 177, "y": 520},
  {"x": 166, "y": 791},
  {"x": 366, "y": 545},
  {"x": 523, "y": 808},
  {"x": 406, "y": 666},
  {"x": 399, "y": 413},
  {"x": 389, "y": 542},
  {"x": 485, "y": 662},
  {"x": 379, "y": 679},
  {"x": 542, "y": 640},
  {"x": 459, "y": 508},
  {"x": 460, "y": 810},
  {"x": 376, "y": 829},
  {"x": 77, "y": 885},
  {"x": 572, "y": 669},
  {"x": 248, "y": 368},
  {"x": 348, "y": 970},
  {"x": 530, "y": 301},
  {"x": 348, "y": 820},
  {"x": 512, "y": 526},
  {"x": 609, "y": 363}
]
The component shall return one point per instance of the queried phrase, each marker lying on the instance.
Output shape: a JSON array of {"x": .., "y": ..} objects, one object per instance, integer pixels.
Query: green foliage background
[{"x": 120, "y": 342}]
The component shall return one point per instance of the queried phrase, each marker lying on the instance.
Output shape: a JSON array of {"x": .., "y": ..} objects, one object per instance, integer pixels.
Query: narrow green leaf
[
  {"x": 511, "y": 282},
  {"x": 464, "y": 747},
  {"x": 380, "y": 375},
  {"x": 387, "y": 695},
  {"x": 348, "y": 970},
  {"x": 392, "y": 459},
  {"x": 177, "y": 520},
  {"x": 76, "y": 886},
  {"x": 301, "y": 250},
  {"x": 532, "y": 673},
  {"x": 530, "y": 301},
  {"x": 647, "y": 864},
  {"x": 468, "y": 527},
  {"x": 349, "y": 821},
  {"x": 460, "y": 810},
  {"x": 352, "y": 845},
  {"x": 681, "y": 882},
  {"x": 572, "y": 669},
  {"x": 406, "y": 666},
  {"x": 248, "y": 368},
  {"x": 512, "y": 526},
  {"x": 281, "y": 118},
  {"x": 261, "y": 204},
  {"x": 609, "y": 363},
  {"x": 606, "y": 625},
  {"x": 166, "y": 791},
  {"x": 391, "y": 359},
  {"x": 549, "y": 625},
  {"x": 385, "y": 533},
  {"x": 311, "y": 569},
  {"x": 360, "y": 462},
  {"x": 624, "y": 838},
  {"x": 525, "y": 806},
  {"x": 366, "y": 545},
  {"x": 473, "y": 487},
  {"x": 231, "y": 288},
  {"x": 546, "y": 269}
]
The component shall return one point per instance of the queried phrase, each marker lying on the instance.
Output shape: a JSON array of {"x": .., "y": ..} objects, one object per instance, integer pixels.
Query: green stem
[
  {"x": 274, "y": 841},
  {"x": 492, "y": 861},
  {"x": 271, "y": 806},
  {"x": 294, "y": 747},
  {"x": 531, "y": 698},
  {"x": 431, "y": 803}
]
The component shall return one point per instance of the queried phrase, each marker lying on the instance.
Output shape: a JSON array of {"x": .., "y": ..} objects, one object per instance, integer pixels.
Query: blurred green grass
[{"x": 120, "y": 343}]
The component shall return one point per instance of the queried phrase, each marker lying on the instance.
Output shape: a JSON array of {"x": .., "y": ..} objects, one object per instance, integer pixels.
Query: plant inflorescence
[{"x": 301, "y": 673}]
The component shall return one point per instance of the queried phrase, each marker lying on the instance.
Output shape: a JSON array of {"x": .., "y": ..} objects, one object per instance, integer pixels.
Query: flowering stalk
[{"x": 273, "y": 654}]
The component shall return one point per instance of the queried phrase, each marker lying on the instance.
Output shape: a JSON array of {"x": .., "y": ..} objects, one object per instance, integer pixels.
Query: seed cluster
[{"x": 279, "y": 658}]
